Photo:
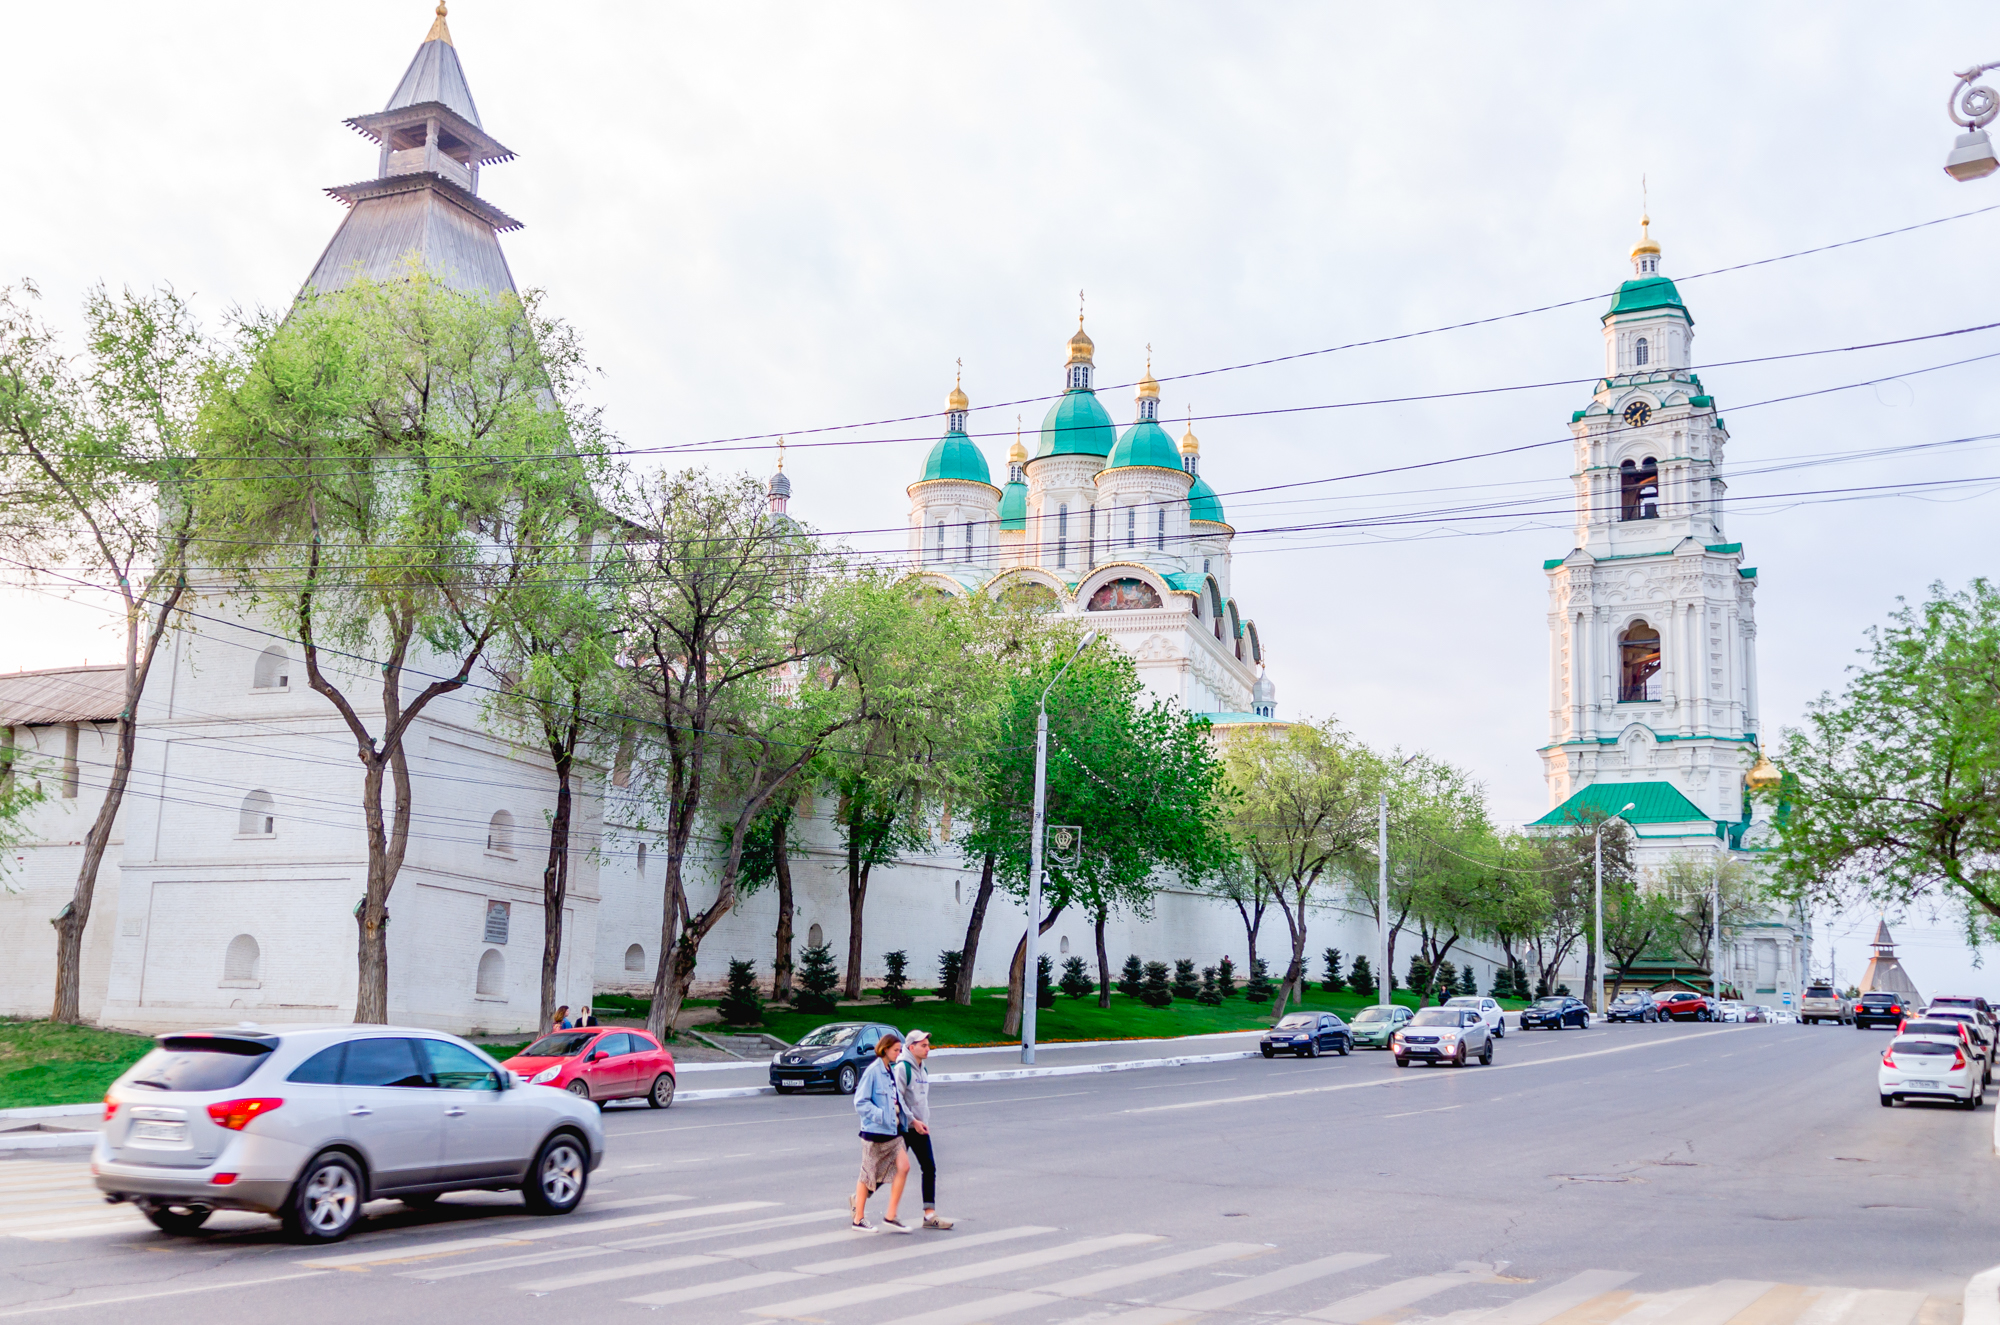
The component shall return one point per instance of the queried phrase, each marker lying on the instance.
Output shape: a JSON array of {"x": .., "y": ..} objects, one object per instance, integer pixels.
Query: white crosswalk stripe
[
  {"x": 822, "y": 1302},
  {"x": 1229, "y": 1295},
  {"x": 44, "y": 1201},
  {"x": 1084, "y": 1286},
  {"x": 1545, "y": 1305},
  {"x": 1711, "y": 1304},
  {"x": 535, "y": 1231},
  {"x": 1389, "y": 1297}
]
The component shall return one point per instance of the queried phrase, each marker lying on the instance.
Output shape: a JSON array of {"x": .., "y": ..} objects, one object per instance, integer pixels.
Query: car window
[
  {"x": 1552, "y": 1002},
  {"x": 838, "y": 1033},
  {"x": 1296, "y": 1019},
  {"x": 383, "y": 1061},
  {"x": 563, "y": 1044},
  {"x": 192, "y": 1063},
  {"x": 458, "y": 1068},
  {"x": 1369, "y": 1015},
  {"x": 641, "y": 1042},
  {"x": 1923, "y": 1047},
  {"x": 1436, "y": 1017},
  {"x": 1470, "y": 1018},
  {"x": 1462, "y": 1001},
  {"x": 322, "y": 1069}
]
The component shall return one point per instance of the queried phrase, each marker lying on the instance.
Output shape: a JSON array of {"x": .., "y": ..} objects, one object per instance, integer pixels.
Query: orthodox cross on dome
[
  {"x": 956, "y": 404},
  {"x": 779, "y": 489},
  {"x": 1149, "y": 391}
]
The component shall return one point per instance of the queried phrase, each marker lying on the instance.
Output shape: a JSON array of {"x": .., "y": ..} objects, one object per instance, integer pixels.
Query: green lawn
[{"x": 44, "y": 1063}]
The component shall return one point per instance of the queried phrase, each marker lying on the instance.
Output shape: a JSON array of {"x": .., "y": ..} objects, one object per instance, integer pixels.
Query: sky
[{"x": 770, "y": 218}]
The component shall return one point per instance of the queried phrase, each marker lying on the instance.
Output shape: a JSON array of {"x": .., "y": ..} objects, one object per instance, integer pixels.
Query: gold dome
[
  {"x": 1190, "y": 444},
  {"x": 1646, "y": 242},
  {"x": 956, "y": 400},
  {"x": 1081, "y": 350},
  {"x": 1763, "y": 775},
  {"x": 1017, "y": 454},
  {"x": 1148, "y": 388}
]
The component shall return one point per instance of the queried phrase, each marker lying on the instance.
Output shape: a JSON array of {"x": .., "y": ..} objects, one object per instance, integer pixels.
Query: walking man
[
  {"x": 913, "y": 1087},
  {"x": 883, "y": 1158}
]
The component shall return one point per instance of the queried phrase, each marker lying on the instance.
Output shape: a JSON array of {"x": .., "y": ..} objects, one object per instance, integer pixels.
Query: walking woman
[{"x": 880, "y": 1107}]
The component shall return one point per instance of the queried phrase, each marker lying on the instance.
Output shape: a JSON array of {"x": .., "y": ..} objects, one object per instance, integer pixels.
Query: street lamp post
[
  {"x": 1972, "y": 107},
  {"x": 1715, "y": 936},
  {"x": 1382, "y": 900},
  {"x": 1031, "y": 985},
  {"x": 1599, "y": 935}
]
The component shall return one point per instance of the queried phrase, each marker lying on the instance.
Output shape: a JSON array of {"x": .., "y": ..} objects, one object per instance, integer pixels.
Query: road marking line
[
  {"x": 1228, "y": 1295},
  {"x": 809, "y": 1306},
  {"x": 1417, "y": 1112},
  {"x": 744, "y": 1284},
  {"x": 536, "y": 1233},
  {"x": 432, "y": 1274},
  {"x": 1712, "y": 1304},
  {"x": 1882, "y": 1306},
  {"x": 1380, "y": 1301},
  {"x": 1379, "y": 1082},
  {"x": 148, "y": 1297},
  {"x": 1008, "y": 1303},
  {"x": 673, "y": 1263},
  {"x": 1543, "y": 1307},
  {"x": 134, "y": 1224},
  {"x": 927, "y": 1248},
  {"x": 720, "y": 1230}
]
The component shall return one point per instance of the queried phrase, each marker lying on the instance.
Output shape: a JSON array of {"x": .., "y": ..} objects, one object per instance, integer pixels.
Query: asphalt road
[{"x": 1680, "y": 1173}]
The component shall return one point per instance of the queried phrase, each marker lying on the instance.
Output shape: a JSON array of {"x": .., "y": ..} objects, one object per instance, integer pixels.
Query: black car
[
  {"x": 1554, "y": 1013},
  {"x": 832, "y": 1055},
  {"x": 1307, "y": 1034},
  {"x": 1883, "y": 1010},
  {"x": 1633, "y": 1007}
]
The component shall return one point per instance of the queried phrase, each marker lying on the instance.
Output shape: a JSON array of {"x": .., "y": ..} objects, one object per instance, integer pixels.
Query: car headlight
[
  {"x": 826, "y": 1058},
  {"x": 546, "y": 1074},
  {"x": 1445, "y": 1036}
]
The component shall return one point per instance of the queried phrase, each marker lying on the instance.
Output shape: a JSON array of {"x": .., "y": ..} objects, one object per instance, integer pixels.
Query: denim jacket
[{"x": 877, "y": 1103}]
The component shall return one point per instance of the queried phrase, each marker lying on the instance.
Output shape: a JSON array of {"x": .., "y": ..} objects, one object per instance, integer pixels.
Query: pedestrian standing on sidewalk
[
  {"x": 913, "y": 1087},
  {"x": 883, "y": 1158}
]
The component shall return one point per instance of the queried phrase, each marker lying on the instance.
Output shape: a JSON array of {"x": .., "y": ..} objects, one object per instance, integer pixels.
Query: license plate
[
  {"x": 159, "y": 1131},
  {"x": 791, "y": 1082}
]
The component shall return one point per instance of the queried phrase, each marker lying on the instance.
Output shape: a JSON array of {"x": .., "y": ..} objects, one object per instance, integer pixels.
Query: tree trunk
[
  {"x": 781, "y": 865},
  {"x": 555, "y": 873},
  {"x": 371, "y": 991},
  {"x": 1253, "y": 920},
  {"x": 1295, "y": 971},
  {"x": 1015, "y": 978},
  {"x": 666, "y": 1004},
  {"x": 857, "y": 899},
  {"x": 970, "y": 952},
  {"x": 1589, "y": 975},
  {"x": 1103, "y": 966}
]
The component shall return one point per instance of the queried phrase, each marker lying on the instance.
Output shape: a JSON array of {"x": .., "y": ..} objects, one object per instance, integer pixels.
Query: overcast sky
[{"x": 772, "y": 218}]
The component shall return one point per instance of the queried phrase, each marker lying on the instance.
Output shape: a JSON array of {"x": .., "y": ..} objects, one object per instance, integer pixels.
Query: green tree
[
  {"x": 95, "y": 453},
  {"x": 1637, "y": 920},
  {"x": 1692, "y": 882},
  {"x": 1258, "y": 988},
  {"x": 1569, "y": 873},
  {"x": 391, "y": 475},
  {"x": 1892, "y": 790},
  {"x": 1158, "y": 989},
  {"x": 896, "y": 979},
  {"x": 1209, "y": 995},
  {"x": 950, "y": 963},
  {"x": 767, "y": 862},
  {"x": 818, "y": 978},
  {"x": 1331, "y": 981},
  {"x": 1076, "y": 981},
  {"x": 1131, "y": 976},
  {"x": 740, "y": 1005},
  {"x": 1186, "y": 983},
  {"x": 1361, "y": 977},
  {"x": 1225, "y": 976}
]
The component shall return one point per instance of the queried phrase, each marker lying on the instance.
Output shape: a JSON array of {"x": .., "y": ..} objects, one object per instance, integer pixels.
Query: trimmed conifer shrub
[
  {"x": 895, "y": 978},
  {"x": 1045, "y": 991},
  {"x": 1503, "y": 983},
  {"x": 1076, "y": 981},
  {"x": 950, "y": 963},
  {"x": 1361, "y": 978},
  {"x": 1333, "y": 983},
  {"x": 1209, "y": 995},
  {"x": 1186, "y": 983},
  {"x": 1520, "y": 981},
  {"x": 1131, "y": 976},
  {"x": 1157, "y": 991},
  {"x": 740, "y": 1004},
  {"x": 1225, "y": 977},
  {"x": 812, "y": 990},
  {"x": 1420, "y": 975},
  {"x": 1258, "y": 987},
  {"x": 1468, "y": 983}
]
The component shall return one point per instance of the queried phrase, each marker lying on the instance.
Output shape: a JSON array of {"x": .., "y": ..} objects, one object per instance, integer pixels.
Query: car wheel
[
  {"x": 1312, "y": 1050},
  {"x": 1888, "y": 1101},
  {"x": 579, "y": 1088},
  {"x": 1486, "y": 1055},
  {"x": 1969, "y": 1104},
  {"x": 849, "y": 1078},
  {"x": 661, "y": 1096},
  {"x": 1346, "y": 1046},
  {"x": 179, "y": 1220},
  {"x": 325, "y": 1203},
  {"x": 1458, "y": 1059},
  {"x": 1402, "y": 1062},
  {"x": 558, "y": 1177}
]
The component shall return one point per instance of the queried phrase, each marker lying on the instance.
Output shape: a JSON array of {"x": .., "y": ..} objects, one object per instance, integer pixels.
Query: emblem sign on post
[{"x": 1065, "y": 843}]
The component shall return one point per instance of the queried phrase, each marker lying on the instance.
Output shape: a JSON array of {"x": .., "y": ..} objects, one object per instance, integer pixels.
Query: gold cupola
[
  {"x": 1081, "y": 349},
  {"x": 957, "y": 402},
  {"x": 1763, "y": 775},
  {"x": 1646, "y": 244}
]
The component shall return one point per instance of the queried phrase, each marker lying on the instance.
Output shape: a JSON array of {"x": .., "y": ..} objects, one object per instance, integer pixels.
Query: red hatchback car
[
  {"x": 600, "y": 1063},
  {"x": 1682, "y": 1005}
]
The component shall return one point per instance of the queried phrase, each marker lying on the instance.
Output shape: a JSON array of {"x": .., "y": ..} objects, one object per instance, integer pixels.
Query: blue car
[
  {"x": 1307, "y": 1034},
  {"x": 834, "y": 1055}
]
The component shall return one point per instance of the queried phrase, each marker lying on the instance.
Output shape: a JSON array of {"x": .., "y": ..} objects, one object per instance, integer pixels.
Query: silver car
[
  {"x": 309, "y": 1123},
  {"x": 1443, "y": 1035},
  {"x": 1489, "y": 1011}
]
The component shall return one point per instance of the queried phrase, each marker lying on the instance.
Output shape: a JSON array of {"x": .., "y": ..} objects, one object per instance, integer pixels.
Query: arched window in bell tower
[
  {"x": 1639, "y": 490},
  {"x": 1638, "y": 663},
  {"x": 1641, "y": 353}
]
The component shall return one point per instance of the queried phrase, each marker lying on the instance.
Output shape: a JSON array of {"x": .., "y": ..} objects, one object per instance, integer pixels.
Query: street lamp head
[
  {"x": 1089, "y": 638},
  {"x": 1621, "y": 813},
  {"x": 1971, "y": 157}
]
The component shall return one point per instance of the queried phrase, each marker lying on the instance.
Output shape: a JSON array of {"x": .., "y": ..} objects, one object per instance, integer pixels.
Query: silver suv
[
  {"x": 1443, "y": 1035},
  {"x": 309, "y": 1123}
]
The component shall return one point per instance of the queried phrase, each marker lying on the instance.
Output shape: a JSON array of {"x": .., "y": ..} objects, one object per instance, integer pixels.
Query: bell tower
[{"x": 1652, "y": 627}]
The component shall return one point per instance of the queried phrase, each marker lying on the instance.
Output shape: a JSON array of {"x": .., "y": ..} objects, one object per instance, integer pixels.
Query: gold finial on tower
[
  {"x": 1763, "y": 775},
  {"x": 439, "y": 32},
  {"x": 781, "y": 455},
  {"x": 1081, "y": 350},
  {"x": 1148, "y": 388},
  {"x": 1190, "y": 444},
  {"x": 957, "y": 399},
  {"x": 1646, "y": 242},
  {"x": 1017, "y": 454}
]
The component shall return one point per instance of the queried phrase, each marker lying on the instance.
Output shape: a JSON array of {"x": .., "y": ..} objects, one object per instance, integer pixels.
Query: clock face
[{"x": 1637, "y": 413}]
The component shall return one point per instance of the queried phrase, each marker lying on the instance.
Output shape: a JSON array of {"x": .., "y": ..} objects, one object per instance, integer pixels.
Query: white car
[
  {"x": 1489, "y": 1011},
  {"x": 308, "y": 1123},
  {"x": 1934, "y": 1067},
  {"x": 1974, "y": 1023}
]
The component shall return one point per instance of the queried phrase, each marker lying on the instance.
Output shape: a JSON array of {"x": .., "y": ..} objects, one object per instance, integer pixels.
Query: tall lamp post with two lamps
[
  {"x": 1972, "y": 107},
  {"x": 1031, "y": 987},
  {"x": 1598, "y": 937}
]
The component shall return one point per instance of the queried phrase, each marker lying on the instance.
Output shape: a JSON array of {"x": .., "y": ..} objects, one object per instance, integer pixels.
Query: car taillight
[
  {"x": 1888, "y": 1058},
  {"x": 1958, "y": 1060},
  {"x": 223, "y": 1179},
  {"x": 110, "y": 1107},
  {"x": 235, "y": 1114},
  {"x": 1895, "y": 1007}
]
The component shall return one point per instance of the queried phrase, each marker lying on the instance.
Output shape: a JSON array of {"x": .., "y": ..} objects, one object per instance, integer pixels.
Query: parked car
[
  {"x": 600, "y": 1064},
  {"x": 1929, "y": 1067},
  {"x": 1975, "y": 1026},
  {"x": 1307, "y": 1034},
  {"x": 1554, "y": 1013},
  {"x": 1957, "y": 1032},
  {"x": 1633, "y": 1005},
  {"x": 1374, "y": 1027},
  {"x": 1883, "y": 1010},
  {"x": 309, "y": 1123},
  {"x": 1765, "y": 1013},
  {"x": 1823, "y": 1003},
  {"x": 835, "y": 1055},
  {"x": 1755, "y": 1012},
  {"x": 1444, "y": 1035},
  {"x": 1489, "y": 1010},
  {"x": 1969, "y": 1001},
  {"x": 1683, "y": 1005}
]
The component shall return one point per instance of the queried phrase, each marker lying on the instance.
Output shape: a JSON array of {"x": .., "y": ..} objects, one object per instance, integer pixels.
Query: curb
[
  {"x": 53, "y": 1111},
  {"x": 1982, "y": 1298},
  {"x": 1006, "y": 1074},
  {"x": 48, "y": 1140}
]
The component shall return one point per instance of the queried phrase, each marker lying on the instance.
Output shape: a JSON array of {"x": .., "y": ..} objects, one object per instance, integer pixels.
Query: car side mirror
[{"x": 599, "y": 1055}]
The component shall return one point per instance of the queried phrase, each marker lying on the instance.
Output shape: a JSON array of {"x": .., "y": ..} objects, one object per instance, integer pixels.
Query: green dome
[
  {"x": 1014, "y": 506},
  {"x": 1642, "y": 296},
  {"x": 1203, "y": 504},
  {"x": 955, "y": 456},
  {"x": 1077, "y": 425},
  {"x": 1144, "y": 443}
]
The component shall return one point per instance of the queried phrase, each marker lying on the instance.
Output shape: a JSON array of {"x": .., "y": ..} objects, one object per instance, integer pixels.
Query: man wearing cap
[{"x": 913, "y": 1084}]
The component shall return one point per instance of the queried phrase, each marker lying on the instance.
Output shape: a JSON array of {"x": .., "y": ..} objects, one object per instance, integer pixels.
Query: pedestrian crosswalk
[{"x": 754, "y": 1261}]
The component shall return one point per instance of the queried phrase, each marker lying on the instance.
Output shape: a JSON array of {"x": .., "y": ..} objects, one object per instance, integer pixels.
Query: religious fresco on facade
[
  {"x": 1028, "y": 596},
  {"x": 1123, "y": 596}
]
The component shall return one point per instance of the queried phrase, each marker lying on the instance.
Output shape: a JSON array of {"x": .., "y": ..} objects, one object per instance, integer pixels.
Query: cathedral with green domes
[{"x": 1120, "y": 526}]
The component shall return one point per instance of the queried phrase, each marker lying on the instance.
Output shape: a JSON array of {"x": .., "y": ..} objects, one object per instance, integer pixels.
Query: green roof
[
  {"x": 1652, "y": 803},
  {"x": 1553, "y": 562},
  {"x": 1645, "y": 295},
  {"x": 1203, "y": 504},
  {"x": 1187, "y": 581},
  {"x": 1014, "y": 506},
  {"x": 1077, "y": 425},
  {"x": 955, "y": 456},
  {"x": 1702, "y": 402},
  {"x": 1144, "y": 445},
  {"x": 1727, "y": 549}
]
